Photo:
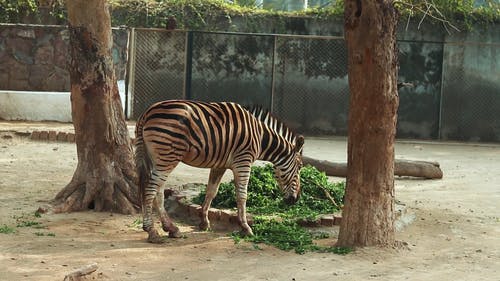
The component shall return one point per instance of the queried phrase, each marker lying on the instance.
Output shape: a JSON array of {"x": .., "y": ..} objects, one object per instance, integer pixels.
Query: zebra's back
[{"x": 199, "y": 134}]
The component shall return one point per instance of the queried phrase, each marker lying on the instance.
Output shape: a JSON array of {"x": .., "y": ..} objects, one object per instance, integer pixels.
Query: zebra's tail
[{"x": 143, "y": 162}]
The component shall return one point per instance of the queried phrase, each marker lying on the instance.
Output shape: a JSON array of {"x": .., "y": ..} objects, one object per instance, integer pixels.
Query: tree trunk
[
  {"x": 104, "y": 179},
  {"x": 370, "y": 32}
]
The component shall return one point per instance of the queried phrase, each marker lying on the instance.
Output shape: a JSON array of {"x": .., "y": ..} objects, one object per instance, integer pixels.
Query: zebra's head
[{"x": 288, "y": 173}]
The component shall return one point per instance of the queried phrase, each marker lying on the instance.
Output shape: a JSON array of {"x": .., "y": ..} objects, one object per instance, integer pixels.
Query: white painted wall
[{"x": 41, "y": 106}]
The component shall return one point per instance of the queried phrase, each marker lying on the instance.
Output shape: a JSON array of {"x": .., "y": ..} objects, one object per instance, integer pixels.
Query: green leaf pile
[{"x": 275, "y": 222}]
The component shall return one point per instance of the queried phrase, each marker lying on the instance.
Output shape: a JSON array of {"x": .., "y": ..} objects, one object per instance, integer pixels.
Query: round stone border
[{"x": 231, "y": 217}]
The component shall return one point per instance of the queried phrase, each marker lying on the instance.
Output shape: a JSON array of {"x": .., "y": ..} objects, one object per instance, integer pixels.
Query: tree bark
[
  {"x": 368, "y": 214},
  {"x": 105, "y": 176},
  {"x": 408, "y": 168}
]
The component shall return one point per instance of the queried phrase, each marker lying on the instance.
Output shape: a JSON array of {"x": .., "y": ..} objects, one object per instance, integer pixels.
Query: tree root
[{"x": 113, "y": 193}]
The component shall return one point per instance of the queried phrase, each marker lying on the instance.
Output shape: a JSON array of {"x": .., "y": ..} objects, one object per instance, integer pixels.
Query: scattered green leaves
[
  {"x": 137, "y": 223},
  {"x": 28, "y": 220},
  {"x": 287, "y": 235},
  {"x": 5, "y": 229},
  {"x": 50, "y": 234},
  {"x": 27, "y": 223}
]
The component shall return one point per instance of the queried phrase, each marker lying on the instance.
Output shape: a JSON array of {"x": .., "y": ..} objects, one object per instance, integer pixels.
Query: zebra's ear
[{"x": 299, "y": 143}]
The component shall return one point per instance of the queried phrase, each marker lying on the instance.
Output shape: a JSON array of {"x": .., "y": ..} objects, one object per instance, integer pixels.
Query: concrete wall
[
  {"x": 41, "y": 106},
  {"x": 35, "y": 106}
]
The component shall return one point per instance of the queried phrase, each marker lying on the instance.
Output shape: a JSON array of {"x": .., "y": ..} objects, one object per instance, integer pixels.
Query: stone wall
[{"x": 36, "y": 57}]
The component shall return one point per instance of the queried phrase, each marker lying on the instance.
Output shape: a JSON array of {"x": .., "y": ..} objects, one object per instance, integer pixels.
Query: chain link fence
[
  {"x": 471, "y": 93},
  {"x": 158, "y": 63},
  {"x": 310, "y": 84},
  {"x": 419, "y": 105},
  {"x": 303, "y": 80},
  {"x": 231, "y": 67}
]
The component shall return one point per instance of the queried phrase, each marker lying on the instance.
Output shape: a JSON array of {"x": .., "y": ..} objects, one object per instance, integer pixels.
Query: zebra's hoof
[
  {"x": 246, "y": 232},
  {"x": 155, "y": 238},
  {"x": 204, "y": 225},
  {"x": 175, "y": 234}
]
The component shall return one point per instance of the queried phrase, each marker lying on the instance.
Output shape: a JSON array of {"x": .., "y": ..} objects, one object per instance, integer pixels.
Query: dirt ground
[{"x": 455, "y": 236}]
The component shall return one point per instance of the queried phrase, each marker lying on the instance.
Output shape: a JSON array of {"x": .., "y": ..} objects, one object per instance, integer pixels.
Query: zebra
[{"x": 218, "y": 136}]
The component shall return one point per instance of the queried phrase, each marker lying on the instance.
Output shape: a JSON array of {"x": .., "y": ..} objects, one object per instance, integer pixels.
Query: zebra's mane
[{"x": 273, "y": 123}]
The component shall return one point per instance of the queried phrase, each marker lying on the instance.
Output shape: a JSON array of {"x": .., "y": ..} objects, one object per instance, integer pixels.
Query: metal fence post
[
  {"x": 273, "y": 73},
  {"x": 188, "y": 67},
  {"x": 443, "y": 74},
  {"x": 130, "y": 78}
]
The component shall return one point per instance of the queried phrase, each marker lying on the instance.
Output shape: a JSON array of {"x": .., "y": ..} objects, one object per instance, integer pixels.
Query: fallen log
[{"x": 420, "y": 169}]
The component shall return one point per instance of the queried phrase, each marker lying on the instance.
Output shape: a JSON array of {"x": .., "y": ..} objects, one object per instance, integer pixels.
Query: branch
[
  {"x": 86, "y": 270},
  {"x": 427, "y": 12},
  {"x": 327, "y": 194}
]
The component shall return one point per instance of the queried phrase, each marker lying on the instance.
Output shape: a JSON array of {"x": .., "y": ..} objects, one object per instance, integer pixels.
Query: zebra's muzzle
[{"x": 290, "y": 200}]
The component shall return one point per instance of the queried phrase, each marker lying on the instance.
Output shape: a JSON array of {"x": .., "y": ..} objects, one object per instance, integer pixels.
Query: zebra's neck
[
  {"x": 277, "y": 139},
  {"x": 274, "y": 147}
]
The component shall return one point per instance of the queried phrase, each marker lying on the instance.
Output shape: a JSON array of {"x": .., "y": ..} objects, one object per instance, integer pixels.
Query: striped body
[{"x": 218, "y": 136}]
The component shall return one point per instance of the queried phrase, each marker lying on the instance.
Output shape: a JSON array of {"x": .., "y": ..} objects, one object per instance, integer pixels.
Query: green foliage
[
  {"x": 275, "y": 222},
  {"x": 28, "y": 220},
  {"x": 27, "y": 223},
  {"x": 287, "y": 235},
  {"x": 15, "y": 11},
  {"x": 50, "y": 234},
  {"x": 188, "y": 14},
  {"x": 219, "y": 14},
  {"x": 246, "y": 3},
  {"x": 21, "y": 11},
  {"x": 58, "y": 11},
  {"x": 264, "y": 195},
  {"x": 137, "y": 223},
  {"x": 5, "y": 229},
  {"x": 262, "y": 191}
]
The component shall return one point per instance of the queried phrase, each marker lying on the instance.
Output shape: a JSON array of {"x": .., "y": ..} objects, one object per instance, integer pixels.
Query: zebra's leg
[
  {"x": 149, "y": 197},
  {"x": 166, "y": 222},
  {"x": 212, "y": 188},
  {"x": 241, "y": 177}
]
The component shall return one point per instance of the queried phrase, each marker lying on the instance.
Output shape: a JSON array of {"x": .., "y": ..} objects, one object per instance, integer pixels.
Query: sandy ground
[{"x": 456, "y": 234}]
